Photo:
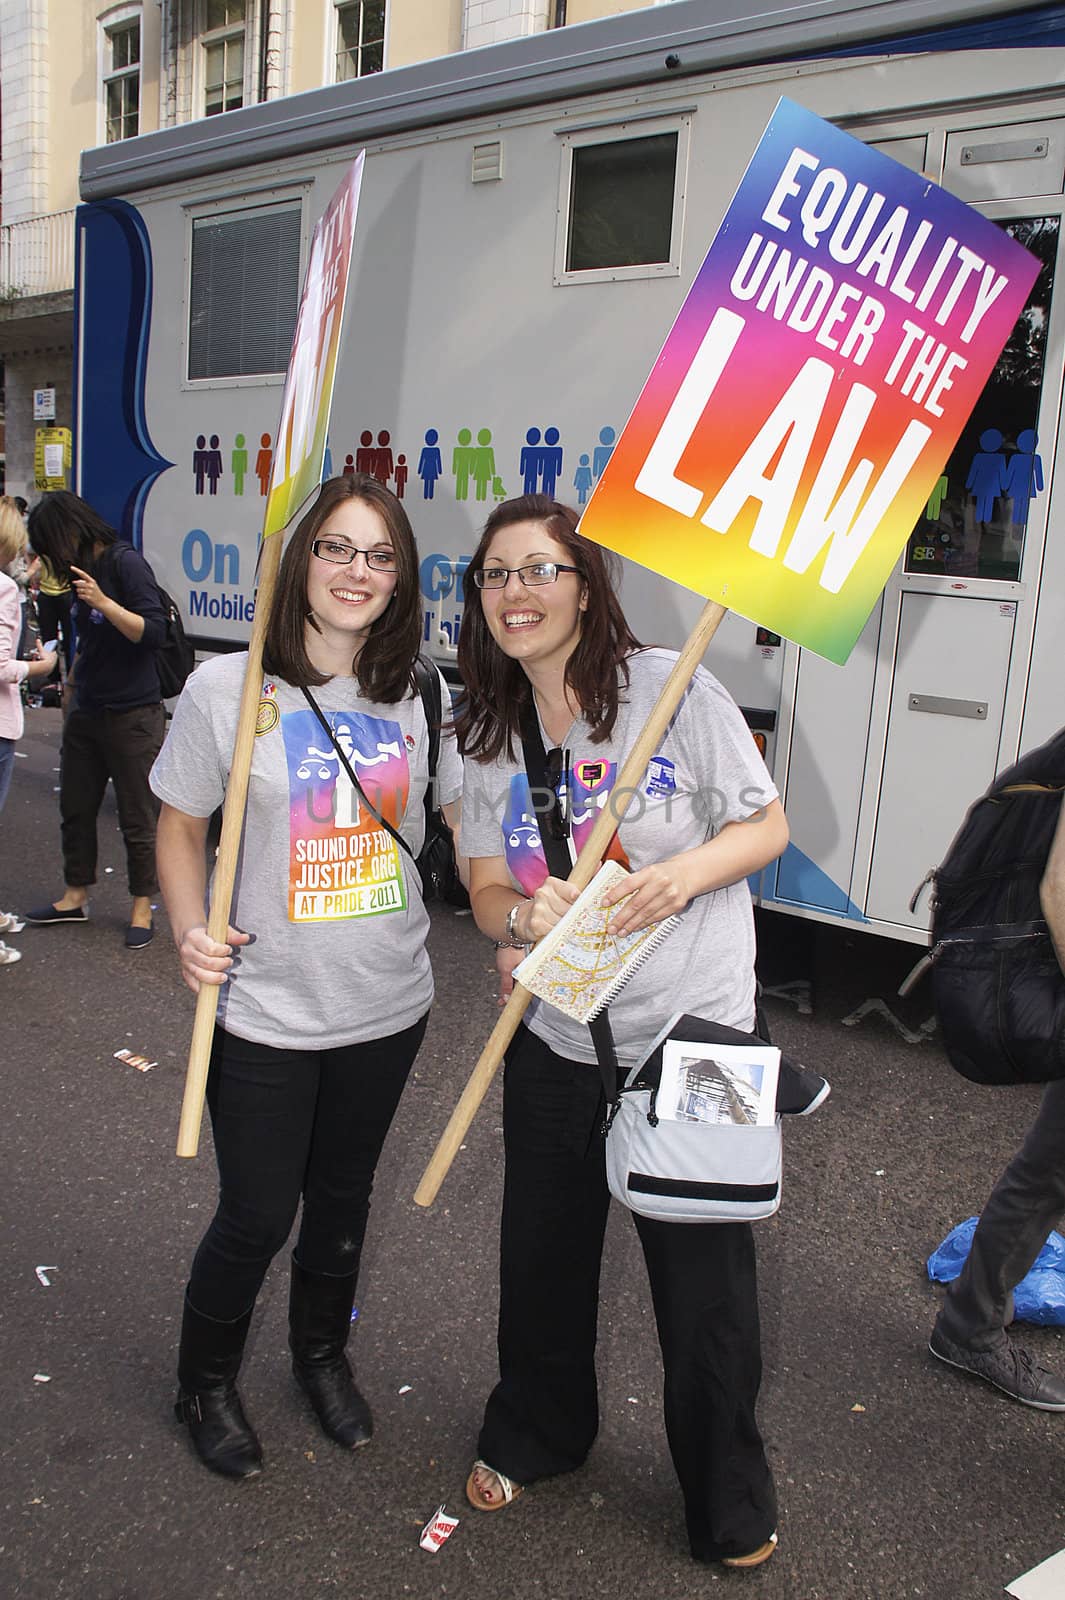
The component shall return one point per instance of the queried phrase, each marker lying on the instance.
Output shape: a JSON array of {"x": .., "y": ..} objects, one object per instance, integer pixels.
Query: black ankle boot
[
  {"x": 208, "y": 1363},
  {"x": 319, "y": 1321}
]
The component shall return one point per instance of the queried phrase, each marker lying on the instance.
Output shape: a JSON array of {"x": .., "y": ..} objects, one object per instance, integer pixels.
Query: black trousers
[
  {"x": 543, "y": 1415},
  {"x": 54, "y": 622},
  {"x": 1026, "y": 1203},
  {"x": 120, "y": 745},
  {"x": 292, "y": 1123}
]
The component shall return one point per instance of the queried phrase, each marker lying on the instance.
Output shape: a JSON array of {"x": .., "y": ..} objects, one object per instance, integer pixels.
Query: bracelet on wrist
[
  {"x": 511, "y": 944},
  {"x": 510, "y": 933}
]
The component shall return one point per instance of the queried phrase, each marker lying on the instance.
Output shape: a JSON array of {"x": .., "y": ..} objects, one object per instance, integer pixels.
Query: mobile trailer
[{"x": 532, "y": 216}]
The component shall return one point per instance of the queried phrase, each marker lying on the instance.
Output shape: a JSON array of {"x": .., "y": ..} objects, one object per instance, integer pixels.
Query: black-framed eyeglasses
[
  {"x": 532, "y": 576},
  {"x": 557, "y": 773},
  {"x": 339, "y": 554}
]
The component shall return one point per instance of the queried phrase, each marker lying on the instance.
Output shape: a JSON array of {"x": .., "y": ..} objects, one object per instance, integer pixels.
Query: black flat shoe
[
  {"x": 46, "y": 916},
  {"x": 138, "y": 938}
]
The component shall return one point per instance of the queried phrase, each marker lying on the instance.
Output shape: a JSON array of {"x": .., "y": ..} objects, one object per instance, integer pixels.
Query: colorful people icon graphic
[
  {"x": 603, "y": 451},
  {"x": 199, "y": 462},
  {"x": 935, "y": 499},
  {"x": 987, "y": 474},
  {"x": 462, "y": 463},
  {"x": 264, "y": 462},
  {"x": 483, "y": 463},
  {"x": 550, "y": 463},
  {"x": 383, "y": 465},
  {"x": 1024, "y": 474},
  {"x": 364, "y": 455},
  {"x": 239, "y": 463},
  {"x": 213, "y": 465},
  {"x": 540, "y": 464},
  {"x": 401, "y": 476},
  {"x": 529, "y": 461},
  {"x": 430, "y": 463},
  {"x": 583, "y": 480},
  {"x": 349, "y": 467}
]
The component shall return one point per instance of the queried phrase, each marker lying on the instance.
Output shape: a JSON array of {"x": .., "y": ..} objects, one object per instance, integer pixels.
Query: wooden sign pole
[
  {"x": 585, "y": 868},
  {"x": 229, "y": 849}
]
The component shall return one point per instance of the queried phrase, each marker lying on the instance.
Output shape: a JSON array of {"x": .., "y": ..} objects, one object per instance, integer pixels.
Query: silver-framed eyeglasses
[
  {"x": 532, "y": 576},
  {"x": 340, "y": 554}
]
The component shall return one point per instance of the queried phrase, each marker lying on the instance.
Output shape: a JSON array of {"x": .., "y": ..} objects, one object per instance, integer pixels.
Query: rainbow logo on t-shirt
[{"x": 342, "y": 862}]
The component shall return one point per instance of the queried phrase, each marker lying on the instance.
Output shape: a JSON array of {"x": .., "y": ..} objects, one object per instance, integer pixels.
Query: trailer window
[
  {"x": 244, "y": 291},
  {"x": 620, "y": 202},
  {"x": 975, "y": 521}
]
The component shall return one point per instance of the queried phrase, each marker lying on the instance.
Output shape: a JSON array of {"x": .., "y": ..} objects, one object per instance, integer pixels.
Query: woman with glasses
[
  {"x": 544, "y": 635},
  {"x": 326, "y": 984}
]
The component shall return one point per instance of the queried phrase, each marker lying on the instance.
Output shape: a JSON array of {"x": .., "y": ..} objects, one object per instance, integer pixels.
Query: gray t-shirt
[
  {"x": 333, "y": 904},
  {"x": 706, "y": 773}
]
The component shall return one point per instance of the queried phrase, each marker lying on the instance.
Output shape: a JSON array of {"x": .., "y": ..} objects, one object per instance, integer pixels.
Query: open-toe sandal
[
  {"x": 508, "y": 1489},
  {"x": 756, "y": 1558}
]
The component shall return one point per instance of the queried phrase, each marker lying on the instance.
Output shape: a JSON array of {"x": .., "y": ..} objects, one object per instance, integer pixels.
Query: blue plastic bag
[{"x": 1039, "y": 1297}]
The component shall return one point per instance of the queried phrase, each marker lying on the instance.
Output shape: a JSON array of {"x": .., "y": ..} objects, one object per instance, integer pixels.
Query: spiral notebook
[{"x": 580, "y": 965}]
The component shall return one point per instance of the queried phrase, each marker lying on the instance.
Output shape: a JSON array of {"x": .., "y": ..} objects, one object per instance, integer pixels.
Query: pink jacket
[{"x": 12, "y": 671}]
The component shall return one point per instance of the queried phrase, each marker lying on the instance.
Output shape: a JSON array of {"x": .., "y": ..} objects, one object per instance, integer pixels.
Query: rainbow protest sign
[
  {"x": 308, "y": 394},
  {"x": 823, "y": 365}
]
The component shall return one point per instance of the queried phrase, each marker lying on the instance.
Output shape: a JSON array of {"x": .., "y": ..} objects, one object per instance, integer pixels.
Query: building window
[
  {"x": 360, "y": 47},
  {"x": 122, "y": 78},
  {"x": 621, "y": 202},
  {"x": 243, "y": 290},
  {"x": 222, "y": 40}
]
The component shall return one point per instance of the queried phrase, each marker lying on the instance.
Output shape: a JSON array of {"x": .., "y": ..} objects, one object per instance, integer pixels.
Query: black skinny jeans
[
  {"x": 543, "y": 1415},
  {"x": 289, "y": 1123}
]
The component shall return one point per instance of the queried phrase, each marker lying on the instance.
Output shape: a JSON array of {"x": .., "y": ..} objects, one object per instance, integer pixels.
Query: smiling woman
[
  {"x": 545, "y": 652},
  {"x": 322, "y": 1010}
]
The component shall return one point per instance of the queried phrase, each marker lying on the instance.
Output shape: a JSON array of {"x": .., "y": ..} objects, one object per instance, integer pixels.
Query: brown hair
[
  {"x": 12, "y": 531},
  {"x": 497, "y": 689},
  {"x": 384, "y": 666}
]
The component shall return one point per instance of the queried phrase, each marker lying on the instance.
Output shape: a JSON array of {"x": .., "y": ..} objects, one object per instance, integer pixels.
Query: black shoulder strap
[
  {"x": 560, "y": 866},
  {"x": 428, "y": 680},
  {"x": 350, "y": 770}
]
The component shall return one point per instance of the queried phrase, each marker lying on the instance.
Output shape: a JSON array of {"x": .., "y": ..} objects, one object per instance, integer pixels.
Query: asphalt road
[{"x": 897, "y": 1478}]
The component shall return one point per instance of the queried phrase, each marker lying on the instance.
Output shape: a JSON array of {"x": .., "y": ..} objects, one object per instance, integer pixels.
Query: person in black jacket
[{"x": 114, "y": 729}]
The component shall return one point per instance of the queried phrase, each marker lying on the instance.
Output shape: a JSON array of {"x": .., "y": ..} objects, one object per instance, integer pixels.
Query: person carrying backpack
[
  {"x": 1029, "y": 1198},
  {"x": 114, "y": 729}
]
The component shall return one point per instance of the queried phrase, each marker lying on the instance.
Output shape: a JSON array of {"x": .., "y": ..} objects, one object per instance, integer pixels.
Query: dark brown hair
[
  {"x": 496, "y": 687},
  {"x": 385, "y": 663},
  {"x": 65, "y": 530}
]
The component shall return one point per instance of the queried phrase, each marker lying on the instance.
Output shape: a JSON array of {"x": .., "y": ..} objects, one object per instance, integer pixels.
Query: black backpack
[
  {"x": 175, "y": 658},
  {"x": 436, "y": 858},
  {"x": 999, "y": 991}
]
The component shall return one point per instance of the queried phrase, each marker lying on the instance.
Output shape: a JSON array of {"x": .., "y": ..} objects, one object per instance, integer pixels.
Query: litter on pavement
[
  {"x": 131, "y": 1059},
  {"x": 439, "y": 1528}
]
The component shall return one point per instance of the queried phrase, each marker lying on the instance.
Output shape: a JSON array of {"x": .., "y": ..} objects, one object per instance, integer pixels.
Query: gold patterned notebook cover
[{"x": 580, "y": 965}]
